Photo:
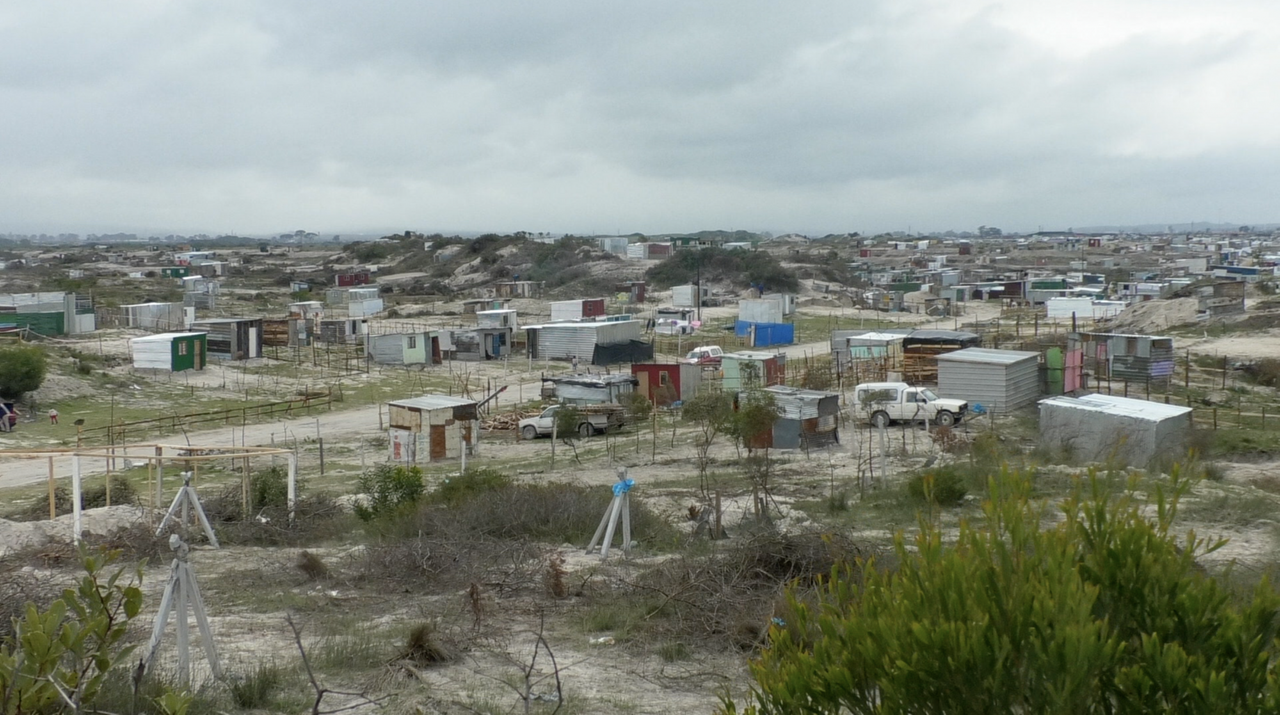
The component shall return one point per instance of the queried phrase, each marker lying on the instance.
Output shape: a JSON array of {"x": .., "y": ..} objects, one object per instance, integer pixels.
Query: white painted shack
[
  {"x": 432, "y": 428},
  {"x": 999, "y": 380},
  {"x": 173, "y": 352},
  {"x": 1110, "y": 428}
]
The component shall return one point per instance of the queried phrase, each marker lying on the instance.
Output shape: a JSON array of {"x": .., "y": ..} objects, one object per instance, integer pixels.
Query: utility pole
[{"x": 698, "y": 298}]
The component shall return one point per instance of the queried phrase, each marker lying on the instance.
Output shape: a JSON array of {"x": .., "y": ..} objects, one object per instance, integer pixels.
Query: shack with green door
[{"x": 173, "y": 352}]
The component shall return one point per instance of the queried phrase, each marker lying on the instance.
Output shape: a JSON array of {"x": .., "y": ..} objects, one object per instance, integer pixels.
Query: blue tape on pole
[{"x": 622, "y": 487}]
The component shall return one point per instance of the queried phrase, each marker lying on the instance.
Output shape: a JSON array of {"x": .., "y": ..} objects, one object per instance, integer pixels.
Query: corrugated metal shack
[
  {"x": 432, "y": 428},
  {"x": 233, "y": 338},
  {"x": 476, "y": 305},
  {"x": 1114, "y": 429},
  {"x": 665, "y": 383},
  {"x": 496, "y": 318},
  {"x": 48, "y": 313},
  {"x": 763, "y": 335},
  {"x": 999, "y": 380},
  {"x": 153, "y": 316},
  {"x": 876, "y": 352},
  {"x": 352, "y": 279},
  {"x": 416, "y": 348},
  {"x": 1113, "y": 356},
  {"x": 307, "y": 310},
  {"x": 760, "y": 311},
  {"x": 518, "y": 289},
  {"x": 580, "y": 309},
  {"x": 686, "y": 296},
  {"x": 479, "y": 344},
  {"x": 1222, "y": 298},
  {"x": 343, "y": 331},
  {"x": 807, "y": 419},
  {"x": 921, "y": 348},
  {"x": 584, "y": 389},
  {"x": 745, "y": 369},
  {"x": 359, "y": 302},
  {"x": 601, "y": 343},
  {"x": 286, "y": 332}
]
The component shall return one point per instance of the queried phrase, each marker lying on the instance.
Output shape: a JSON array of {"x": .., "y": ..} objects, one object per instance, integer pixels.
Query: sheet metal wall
[
  {"x": 999, "y": 387},
  {"x": 763, "y": 335},
  {"x": 1092, "y": 436}
]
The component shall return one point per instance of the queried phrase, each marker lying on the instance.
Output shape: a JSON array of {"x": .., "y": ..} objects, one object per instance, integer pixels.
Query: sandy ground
[{"x": 1241, "y": 347}]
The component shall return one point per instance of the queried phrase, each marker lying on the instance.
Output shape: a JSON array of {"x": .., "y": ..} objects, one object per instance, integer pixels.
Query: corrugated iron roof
[
  {"x": 164, "y": 337},
  {"x": 616, "y": 378},
  {"x": 800, "y": 393},
  {"x": 1116, "y": 405},
  {"x": 989, "y": 356},
  {"x": 750, "y": 355},
  {"x": 433, "y": 402}
]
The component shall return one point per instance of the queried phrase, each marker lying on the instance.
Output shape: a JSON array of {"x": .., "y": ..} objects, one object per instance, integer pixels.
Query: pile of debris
[{"x": 506, "y": 420}]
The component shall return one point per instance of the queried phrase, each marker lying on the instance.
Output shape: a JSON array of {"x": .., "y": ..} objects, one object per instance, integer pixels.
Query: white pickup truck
[
  {"x": 594, "y": 419},
  {"x": 707, "y": 356},
  {"x": 884, "y": 402}
]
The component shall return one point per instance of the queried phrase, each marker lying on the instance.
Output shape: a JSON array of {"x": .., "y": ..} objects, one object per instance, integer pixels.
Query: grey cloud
[{"x": 642, "y": 116}]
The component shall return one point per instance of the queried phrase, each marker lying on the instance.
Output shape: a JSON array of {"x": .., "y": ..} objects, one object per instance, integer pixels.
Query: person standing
[
  {"x": 574, "y": 362},
  {"x": 53, "y": 416}
]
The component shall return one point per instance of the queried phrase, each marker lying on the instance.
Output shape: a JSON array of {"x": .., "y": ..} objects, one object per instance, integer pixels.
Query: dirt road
[{"x": 339, "y": 426}]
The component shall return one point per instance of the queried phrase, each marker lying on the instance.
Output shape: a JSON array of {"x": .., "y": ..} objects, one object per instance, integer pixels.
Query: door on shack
[{"x": 438, "y": 443}]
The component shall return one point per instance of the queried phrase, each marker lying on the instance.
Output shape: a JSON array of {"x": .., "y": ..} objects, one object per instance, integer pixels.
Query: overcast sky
[{"x": 657, "y": 116}]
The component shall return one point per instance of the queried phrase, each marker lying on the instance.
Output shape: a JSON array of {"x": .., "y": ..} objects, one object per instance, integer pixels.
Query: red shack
[
  {"x": 664, "y": 383},
  {"x": 354, "y": 278}
]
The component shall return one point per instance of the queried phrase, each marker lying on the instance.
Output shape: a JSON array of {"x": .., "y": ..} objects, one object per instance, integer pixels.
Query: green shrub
[
  {"x": 387, "y": 489},
  {"x": 257, "y": 688},
  {"x": 555, "y": 512},
  {"x": 468, "y": 484},
  {"x": 22, "y": 370},
  {"x": 740, "y": 268},
  {"x": 1265, "y": 372},
  {"x": 942, "y": 486},
  {"x": 270, "y": 487},
  {"x": 1105, "y": 610},
  {"x": 91, "y": 497}
]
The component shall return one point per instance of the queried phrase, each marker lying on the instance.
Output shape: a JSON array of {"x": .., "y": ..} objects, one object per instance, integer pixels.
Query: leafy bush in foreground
[{"x": 1104, "y": 611}]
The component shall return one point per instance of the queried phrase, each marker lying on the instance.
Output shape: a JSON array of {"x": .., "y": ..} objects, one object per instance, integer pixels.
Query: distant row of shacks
[
  {"x": 1001, "y": 380},
  {"x": 579, "y": 329}
]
